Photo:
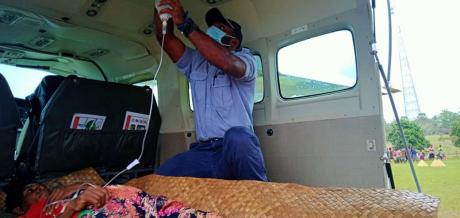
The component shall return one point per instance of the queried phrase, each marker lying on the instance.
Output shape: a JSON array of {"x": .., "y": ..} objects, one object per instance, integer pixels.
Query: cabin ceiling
[{"x": 115, "y": 38}]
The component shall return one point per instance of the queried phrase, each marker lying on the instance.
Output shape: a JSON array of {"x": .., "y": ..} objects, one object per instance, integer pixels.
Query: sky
[
  {"x": 431, "y": 33},
  {"x": 430, "y": 29},
  {"x": 327, "y": 58}
]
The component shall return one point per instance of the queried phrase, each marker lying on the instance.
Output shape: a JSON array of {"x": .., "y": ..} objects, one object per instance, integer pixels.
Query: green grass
[{"x": 443, "y": 183}]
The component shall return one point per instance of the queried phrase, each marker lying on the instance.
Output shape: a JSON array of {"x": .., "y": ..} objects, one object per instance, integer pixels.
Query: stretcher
[
  {"x": 260, "y": 199},
  {"x": 268, "y": 199}
]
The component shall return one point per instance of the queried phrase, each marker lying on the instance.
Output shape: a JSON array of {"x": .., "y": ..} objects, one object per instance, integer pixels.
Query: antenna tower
[{"x": 411, "y": 105}]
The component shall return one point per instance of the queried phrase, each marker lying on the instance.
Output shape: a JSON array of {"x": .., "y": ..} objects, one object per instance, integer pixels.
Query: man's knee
[
  {"x": 242, "y": 155},
  {"x": 240, "y": 136},
  {"x": 241, "y": 141}
]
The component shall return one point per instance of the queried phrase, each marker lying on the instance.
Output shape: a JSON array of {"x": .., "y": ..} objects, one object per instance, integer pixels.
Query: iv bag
[{"x": 164, "y": 16}]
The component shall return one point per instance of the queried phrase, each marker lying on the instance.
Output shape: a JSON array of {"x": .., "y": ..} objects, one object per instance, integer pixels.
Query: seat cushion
[
  {"x": 82, "y": 126},
  {"x": 9, "y": 124}
]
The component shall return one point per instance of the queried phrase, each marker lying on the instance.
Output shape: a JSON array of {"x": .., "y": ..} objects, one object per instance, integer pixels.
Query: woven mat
[
  {"x": 258, "y": 199},
  {"x": 89, "y": 175}
]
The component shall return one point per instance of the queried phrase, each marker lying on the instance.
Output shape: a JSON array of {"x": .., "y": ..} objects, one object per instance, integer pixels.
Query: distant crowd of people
[{"x": 401, "y": 156}]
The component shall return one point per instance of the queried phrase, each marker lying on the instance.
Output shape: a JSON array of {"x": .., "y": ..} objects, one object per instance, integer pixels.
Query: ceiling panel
[{"x": 118, "y": 26}]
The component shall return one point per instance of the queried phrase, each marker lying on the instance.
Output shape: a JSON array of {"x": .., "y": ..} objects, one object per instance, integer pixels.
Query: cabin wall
[
  {"x": 334, "y": 139},
  {"x": 328, "y": 140}
]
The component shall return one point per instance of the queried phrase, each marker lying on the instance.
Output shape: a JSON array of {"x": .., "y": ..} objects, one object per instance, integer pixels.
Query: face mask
[{"x": 217, "y": 34}]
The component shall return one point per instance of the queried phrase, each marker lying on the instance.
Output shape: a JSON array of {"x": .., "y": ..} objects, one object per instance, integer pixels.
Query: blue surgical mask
[{"x": 217, "y": 34}]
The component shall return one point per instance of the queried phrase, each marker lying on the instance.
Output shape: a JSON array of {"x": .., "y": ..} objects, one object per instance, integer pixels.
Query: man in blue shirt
[{"x": 222, "y": 76}]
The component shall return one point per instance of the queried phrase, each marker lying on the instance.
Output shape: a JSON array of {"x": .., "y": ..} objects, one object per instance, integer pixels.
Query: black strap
[
  {"x": 211, "y": 140},
  {"x": 187, "y": 26},
  {"x": 390, "y": 175}
]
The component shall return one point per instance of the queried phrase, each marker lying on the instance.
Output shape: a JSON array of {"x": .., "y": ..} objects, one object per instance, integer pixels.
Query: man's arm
[
  {"x": 173, "y": 46},
  {"x": 212, "y": 51}
]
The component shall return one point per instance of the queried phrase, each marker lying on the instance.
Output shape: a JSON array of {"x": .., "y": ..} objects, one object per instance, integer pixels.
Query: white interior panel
[{"x": 325, "y": 153}]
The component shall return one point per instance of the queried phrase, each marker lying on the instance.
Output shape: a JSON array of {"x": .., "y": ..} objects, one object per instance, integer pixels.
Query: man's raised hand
[{"x": 177, "y": 11}]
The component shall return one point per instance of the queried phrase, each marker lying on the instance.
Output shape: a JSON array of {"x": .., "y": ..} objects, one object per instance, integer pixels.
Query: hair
[{"x": 14, "y": 197}]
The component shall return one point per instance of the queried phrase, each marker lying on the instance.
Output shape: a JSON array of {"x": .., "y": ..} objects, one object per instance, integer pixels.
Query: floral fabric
[{"x": 129, "y": 202}]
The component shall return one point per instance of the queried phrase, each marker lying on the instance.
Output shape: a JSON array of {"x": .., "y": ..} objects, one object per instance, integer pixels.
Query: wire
[
  {"x": 390, "y": 40},
  {"x": 74, "y": 196},
  {"x": 113, "y": 178},
  {"x": 390, "y": 95},
  {"x": 374, "y": 5},
  {"x": 152, "y": 99},
  {"x": 395, "y": 111}
]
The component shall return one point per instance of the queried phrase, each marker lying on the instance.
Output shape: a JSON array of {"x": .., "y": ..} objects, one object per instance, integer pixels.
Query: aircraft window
[
  {"x": 318, "y": 65},
  {"x": 153, "y": 84},
  {"x": 22, "y": 81},
  {"x": 259, "y": 95}
]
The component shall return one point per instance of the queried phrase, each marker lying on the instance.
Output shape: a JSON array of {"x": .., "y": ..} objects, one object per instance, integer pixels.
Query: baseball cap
[{"x": 214, "y": 15}]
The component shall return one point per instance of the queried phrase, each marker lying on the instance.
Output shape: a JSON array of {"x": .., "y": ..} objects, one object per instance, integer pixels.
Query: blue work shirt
[{"x": 220, "y": 101}]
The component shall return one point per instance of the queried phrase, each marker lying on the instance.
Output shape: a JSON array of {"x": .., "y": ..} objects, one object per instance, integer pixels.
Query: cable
[
  {"x": 74, "y": 196},
  {"x": 152, "y": 99},
  {"x": 390, "y": 95},
  {"x": 390, "y": 40},
  {"x": 113, "y": 178},
  {"x": 152, "y": 96},
  {"x": 395, "y": 111},
  {"x": 374, "y": 5}
]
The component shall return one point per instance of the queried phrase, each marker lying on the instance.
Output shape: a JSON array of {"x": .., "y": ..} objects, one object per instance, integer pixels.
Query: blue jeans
[{"x": 236, "y": 157}]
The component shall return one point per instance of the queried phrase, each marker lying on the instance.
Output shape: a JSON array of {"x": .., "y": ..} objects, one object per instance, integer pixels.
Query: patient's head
[
  {"x": 33, "y": 193},
  {"x": 20, "y": 197}
]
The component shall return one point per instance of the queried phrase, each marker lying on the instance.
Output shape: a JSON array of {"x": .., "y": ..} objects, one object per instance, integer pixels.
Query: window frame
[
  {"x": 189, "y": 93},
  {"x": 263, "y": 78},
  {"x": 308, "y": 38}
]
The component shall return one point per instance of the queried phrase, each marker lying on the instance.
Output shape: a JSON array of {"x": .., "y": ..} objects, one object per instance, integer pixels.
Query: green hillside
[
  {"x": 297, "y": 86},
  {"x": 292, "y": 86},
  {"x": 447, "y": 144}
]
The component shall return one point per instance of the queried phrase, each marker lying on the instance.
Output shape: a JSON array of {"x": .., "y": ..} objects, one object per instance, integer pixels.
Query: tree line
[{"x": 447, "y": 122}]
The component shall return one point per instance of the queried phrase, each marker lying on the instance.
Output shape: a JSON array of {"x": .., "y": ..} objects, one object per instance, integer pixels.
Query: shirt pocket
[
  {"x": 198, "y": 76},
  {"x": 198, "y": 85},
  {"x": 221, "y": 90}
]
